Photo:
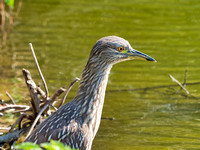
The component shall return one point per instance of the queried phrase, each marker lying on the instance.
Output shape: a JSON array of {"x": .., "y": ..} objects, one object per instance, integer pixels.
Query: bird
[{"x": 76, "y": 123}]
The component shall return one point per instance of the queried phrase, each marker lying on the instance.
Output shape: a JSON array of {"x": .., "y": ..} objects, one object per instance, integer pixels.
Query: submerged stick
[
  {"x": 185, "y": 78},
  {"x": 175, "y": 80},
  {"x": 151, "y": 88},
  {"x": 39, "y": 70}
]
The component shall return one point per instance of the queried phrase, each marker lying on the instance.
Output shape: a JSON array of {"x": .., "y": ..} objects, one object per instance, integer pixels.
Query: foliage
[
  {"x": 10, "y": 3},
  {"x": 53, "y": 145},
  {"x": 28, "y": 146}
]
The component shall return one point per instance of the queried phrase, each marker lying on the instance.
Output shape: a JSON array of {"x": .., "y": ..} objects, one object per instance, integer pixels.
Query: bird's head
[{"x": 113, "y": 49}]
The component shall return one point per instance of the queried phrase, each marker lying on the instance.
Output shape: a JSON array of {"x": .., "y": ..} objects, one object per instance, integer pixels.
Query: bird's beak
[{"x": 134, "y": 54}]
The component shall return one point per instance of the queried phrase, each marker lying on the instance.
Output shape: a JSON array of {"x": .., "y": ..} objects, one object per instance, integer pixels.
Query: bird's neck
[{"x": 91, "y": 93}]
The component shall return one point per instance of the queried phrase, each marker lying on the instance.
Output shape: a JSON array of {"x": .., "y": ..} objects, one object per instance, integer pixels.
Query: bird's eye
[{"x": 120, "y": 49}]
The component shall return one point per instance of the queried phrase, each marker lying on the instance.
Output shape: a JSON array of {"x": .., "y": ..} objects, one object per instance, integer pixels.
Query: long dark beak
[{"x": 139, "y": 55}]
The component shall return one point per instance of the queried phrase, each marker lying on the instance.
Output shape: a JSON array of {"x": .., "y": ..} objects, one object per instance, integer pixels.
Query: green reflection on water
[{"x": 63, "y": 33}]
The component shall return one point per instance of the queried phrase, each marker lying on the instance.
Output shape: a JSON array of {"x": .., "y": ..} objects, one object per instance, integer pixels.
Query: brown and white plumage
[{"x": 77, "y": 122}]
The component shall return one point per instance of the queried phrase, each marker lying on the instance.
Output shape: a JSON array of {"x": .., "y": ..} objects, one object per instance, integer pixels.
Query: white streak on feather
[{"x": 49, "y": 137}]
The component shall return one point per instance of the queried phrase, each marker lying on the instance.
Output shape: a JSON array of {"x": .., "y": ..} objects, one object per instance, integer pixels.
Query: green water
[{"x": 63, "y": 33}]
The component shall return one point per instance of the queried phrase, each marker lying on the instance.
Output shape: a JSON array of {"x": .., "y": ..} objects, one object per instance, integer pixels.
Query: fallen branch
[
  {"x": 13, "y": 136},
  {"x": 35, "y": 101},
  {"x": 15, "y": 107}
]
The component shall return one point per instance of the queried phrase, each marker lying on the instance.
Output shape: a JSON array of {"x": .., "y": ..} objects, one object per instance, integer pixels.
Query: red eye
[{"x": 120, "y": 49}]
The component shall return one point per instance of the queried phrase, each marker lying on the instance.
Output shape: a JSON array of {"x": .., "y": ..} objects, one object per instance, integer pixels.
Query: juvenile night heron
[{"x": 76, "y": 123}]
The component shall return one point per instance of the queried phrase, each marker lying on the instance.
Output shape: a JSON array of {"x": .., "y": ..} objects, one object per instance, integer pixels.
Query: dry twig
[
  {"x": 67, "y": 91},
  {"x": 39, "y": 70},
  {"x": 13, "y": 101}
]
